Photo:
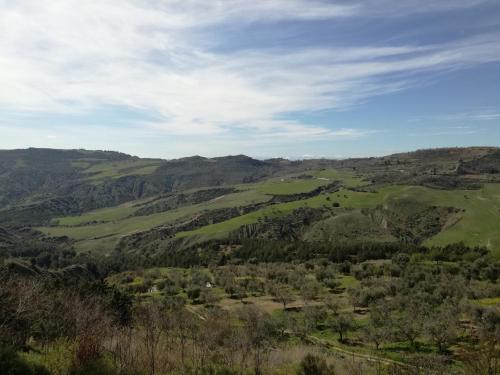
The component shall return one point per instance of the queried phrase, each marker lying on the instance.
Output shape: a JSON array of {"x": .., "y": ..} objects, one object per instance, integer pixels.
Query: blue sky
[{"x": 266, "y": 78}]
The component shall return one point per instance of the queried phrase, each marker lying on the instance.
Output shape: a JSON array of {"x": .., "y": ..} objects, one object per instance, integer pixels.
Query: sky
[{"x": 265, "y": 78}]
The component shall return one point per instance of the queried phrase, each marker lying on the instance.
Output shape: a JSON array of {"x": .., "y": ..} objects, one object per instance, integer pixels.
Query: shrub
[
  {"x": 99, "y": 367},
  {"x": 59, "y": 357},
  {"x": 314, "y": 365},
  {"x": 12, "y": 364}
]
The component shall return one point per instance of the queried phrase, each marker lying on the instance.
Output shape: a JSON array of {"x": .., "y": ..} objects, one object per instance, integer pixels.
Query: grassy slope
[
  {"x": 122, "y": 168},
  {"x": 289, "y": 186},
  {"x": 479, "y": 224},
  {"x": 118, "y": 221},
  {"x": 346, "y": 198},
  {"x": 348, "y": 178},
  {"x": 107, "y": 234},
  {"x": 104, "y": 214}
]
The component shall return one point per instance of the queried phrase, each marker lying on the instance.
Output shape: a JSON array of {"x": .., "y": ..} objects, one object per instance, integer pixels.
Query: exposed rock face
[{"x": 286, "y": 227}]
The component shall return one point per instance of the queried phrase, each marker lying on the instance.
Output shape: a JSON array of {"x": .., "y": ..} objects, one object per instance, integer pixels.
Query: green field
[
  {"x": 346, "y": 198},
  {"x": 105, "y": 214},
  {"x": 106, "y": 235},
  {"x": 289, "y": 186},
  {"x": 349, "y": 179},
  {"x": 479, "y": 224}
]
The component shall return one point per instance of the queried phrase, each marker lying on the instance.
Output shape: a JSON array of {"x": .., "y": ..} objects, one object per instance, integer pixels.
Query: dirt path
[
  {"x": 329, "y": 345},
  {"x": 367, "y": 357}
]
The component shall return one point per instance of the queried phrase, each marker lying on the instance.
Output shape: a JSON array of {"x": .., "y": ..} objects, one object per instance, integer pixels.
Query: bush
[
  {"x": 99, "y": 367},
  {"x": 12, "y": 364},
  {"x": 193, "y": 293},
  {"x": 59, "y": 357},
  {"x": 314, "y": 365}
]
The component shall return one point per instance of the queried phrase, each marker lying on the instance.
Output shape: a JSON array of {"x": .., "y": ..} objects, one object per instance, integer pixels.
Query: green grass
[
  {"x": 102, "y": 236},
  {"x": 289, "y": 186},
  {"x": 495, "y": 301},
  {"x": 479, "y": 224},
  {"x": 104, "y": 214},
  {"x": 348, "y": 281},
  {"x": 346, "y": 198},
  {"x": 349, "y": 179},
  {"x": 121, "y": 169}
]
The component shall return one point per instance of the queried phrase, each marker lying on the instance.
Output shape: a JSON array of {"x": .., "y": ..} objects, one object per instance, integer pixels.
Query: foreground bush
[
  {"x": 314, "y": 365},
  {"x": 12, "y": 364}
]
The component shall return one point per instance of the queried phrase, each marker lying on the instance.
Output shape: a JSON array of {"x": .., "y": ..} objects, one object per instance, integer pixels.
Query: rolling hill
[{"x": 101, "y": 202}]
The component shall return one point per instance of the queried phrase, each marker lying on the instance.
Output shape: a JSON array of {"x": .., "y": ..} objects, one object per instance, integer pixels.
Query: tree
[
  {"x": 209, "y": 297},
  {"x": 333, "y": 304},
  {"x": 374, "y": 334},
  {"x": 379, "y": 328},
  {"x": 341, "y": 324},
  {"x": 484, "y": 359},
  {"x": 310, "y": 290},
  {"x": 281, "y": 293},
  {"x": 443, "y": 326},
  {"x": 258, "y": 333},
  {"x": 149, "y": 319},
  {"x": 409, "y": 318},
  {"x": 313, "y": 315}
]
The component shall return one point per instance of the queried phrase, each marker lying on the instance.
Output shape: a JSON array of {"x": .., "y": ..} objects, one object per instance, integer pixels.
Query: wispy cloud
[
  {"x": 75, "y": 56},
  {"x": 471, "y": 117}
]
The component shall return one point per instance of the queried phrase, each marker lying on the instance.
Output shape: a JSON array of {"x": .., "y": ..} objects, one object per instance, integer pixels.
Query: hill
[{"x": 102, "y": 202}]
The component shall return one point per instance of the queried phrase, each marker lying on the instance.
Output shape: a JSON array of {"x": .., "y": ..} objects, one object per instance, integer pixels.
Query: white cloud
[{"x": 75, "y": 56}]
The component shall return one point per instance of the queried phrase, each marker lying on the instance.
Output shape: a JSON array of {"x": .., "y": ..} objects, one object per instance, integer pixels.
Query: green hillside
[{"x": 99, "y": 201}]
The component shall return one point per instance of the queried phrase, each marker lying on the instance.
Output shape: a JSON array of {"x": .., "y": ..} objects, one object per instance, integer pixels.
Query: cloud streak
[{"x": 75, "y": 56}]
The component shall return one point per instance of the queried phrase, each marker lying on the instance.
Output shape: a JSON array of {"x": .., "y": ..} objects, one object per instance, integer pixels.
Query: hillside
[
  {"x": 100, "y": 202},
  {"x": 391, "y": 262}
]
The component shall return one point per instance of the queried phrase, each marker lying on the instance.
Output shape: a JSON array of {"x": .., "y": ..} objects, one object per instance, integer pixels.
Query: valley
[{"x": 338, "y": 263}]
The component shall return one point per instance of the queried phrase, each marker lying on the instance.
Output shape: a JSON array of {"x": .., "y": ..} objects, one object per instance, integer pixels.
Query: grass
[
  {"x": 289, "y": 186},
  {"x": 121, "y": 169},
  {"x": 478, "y": 225},
  {"x": 495, "y": 301},
  {"x": 105, "y": 214},
  {"x": 346, "y": 198},
  {"x": 481, "y": 221},
  {"x": 348, "y": 179},
  {"x": 101, "y": 236},
  {"x": 293, "y": 185}
]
